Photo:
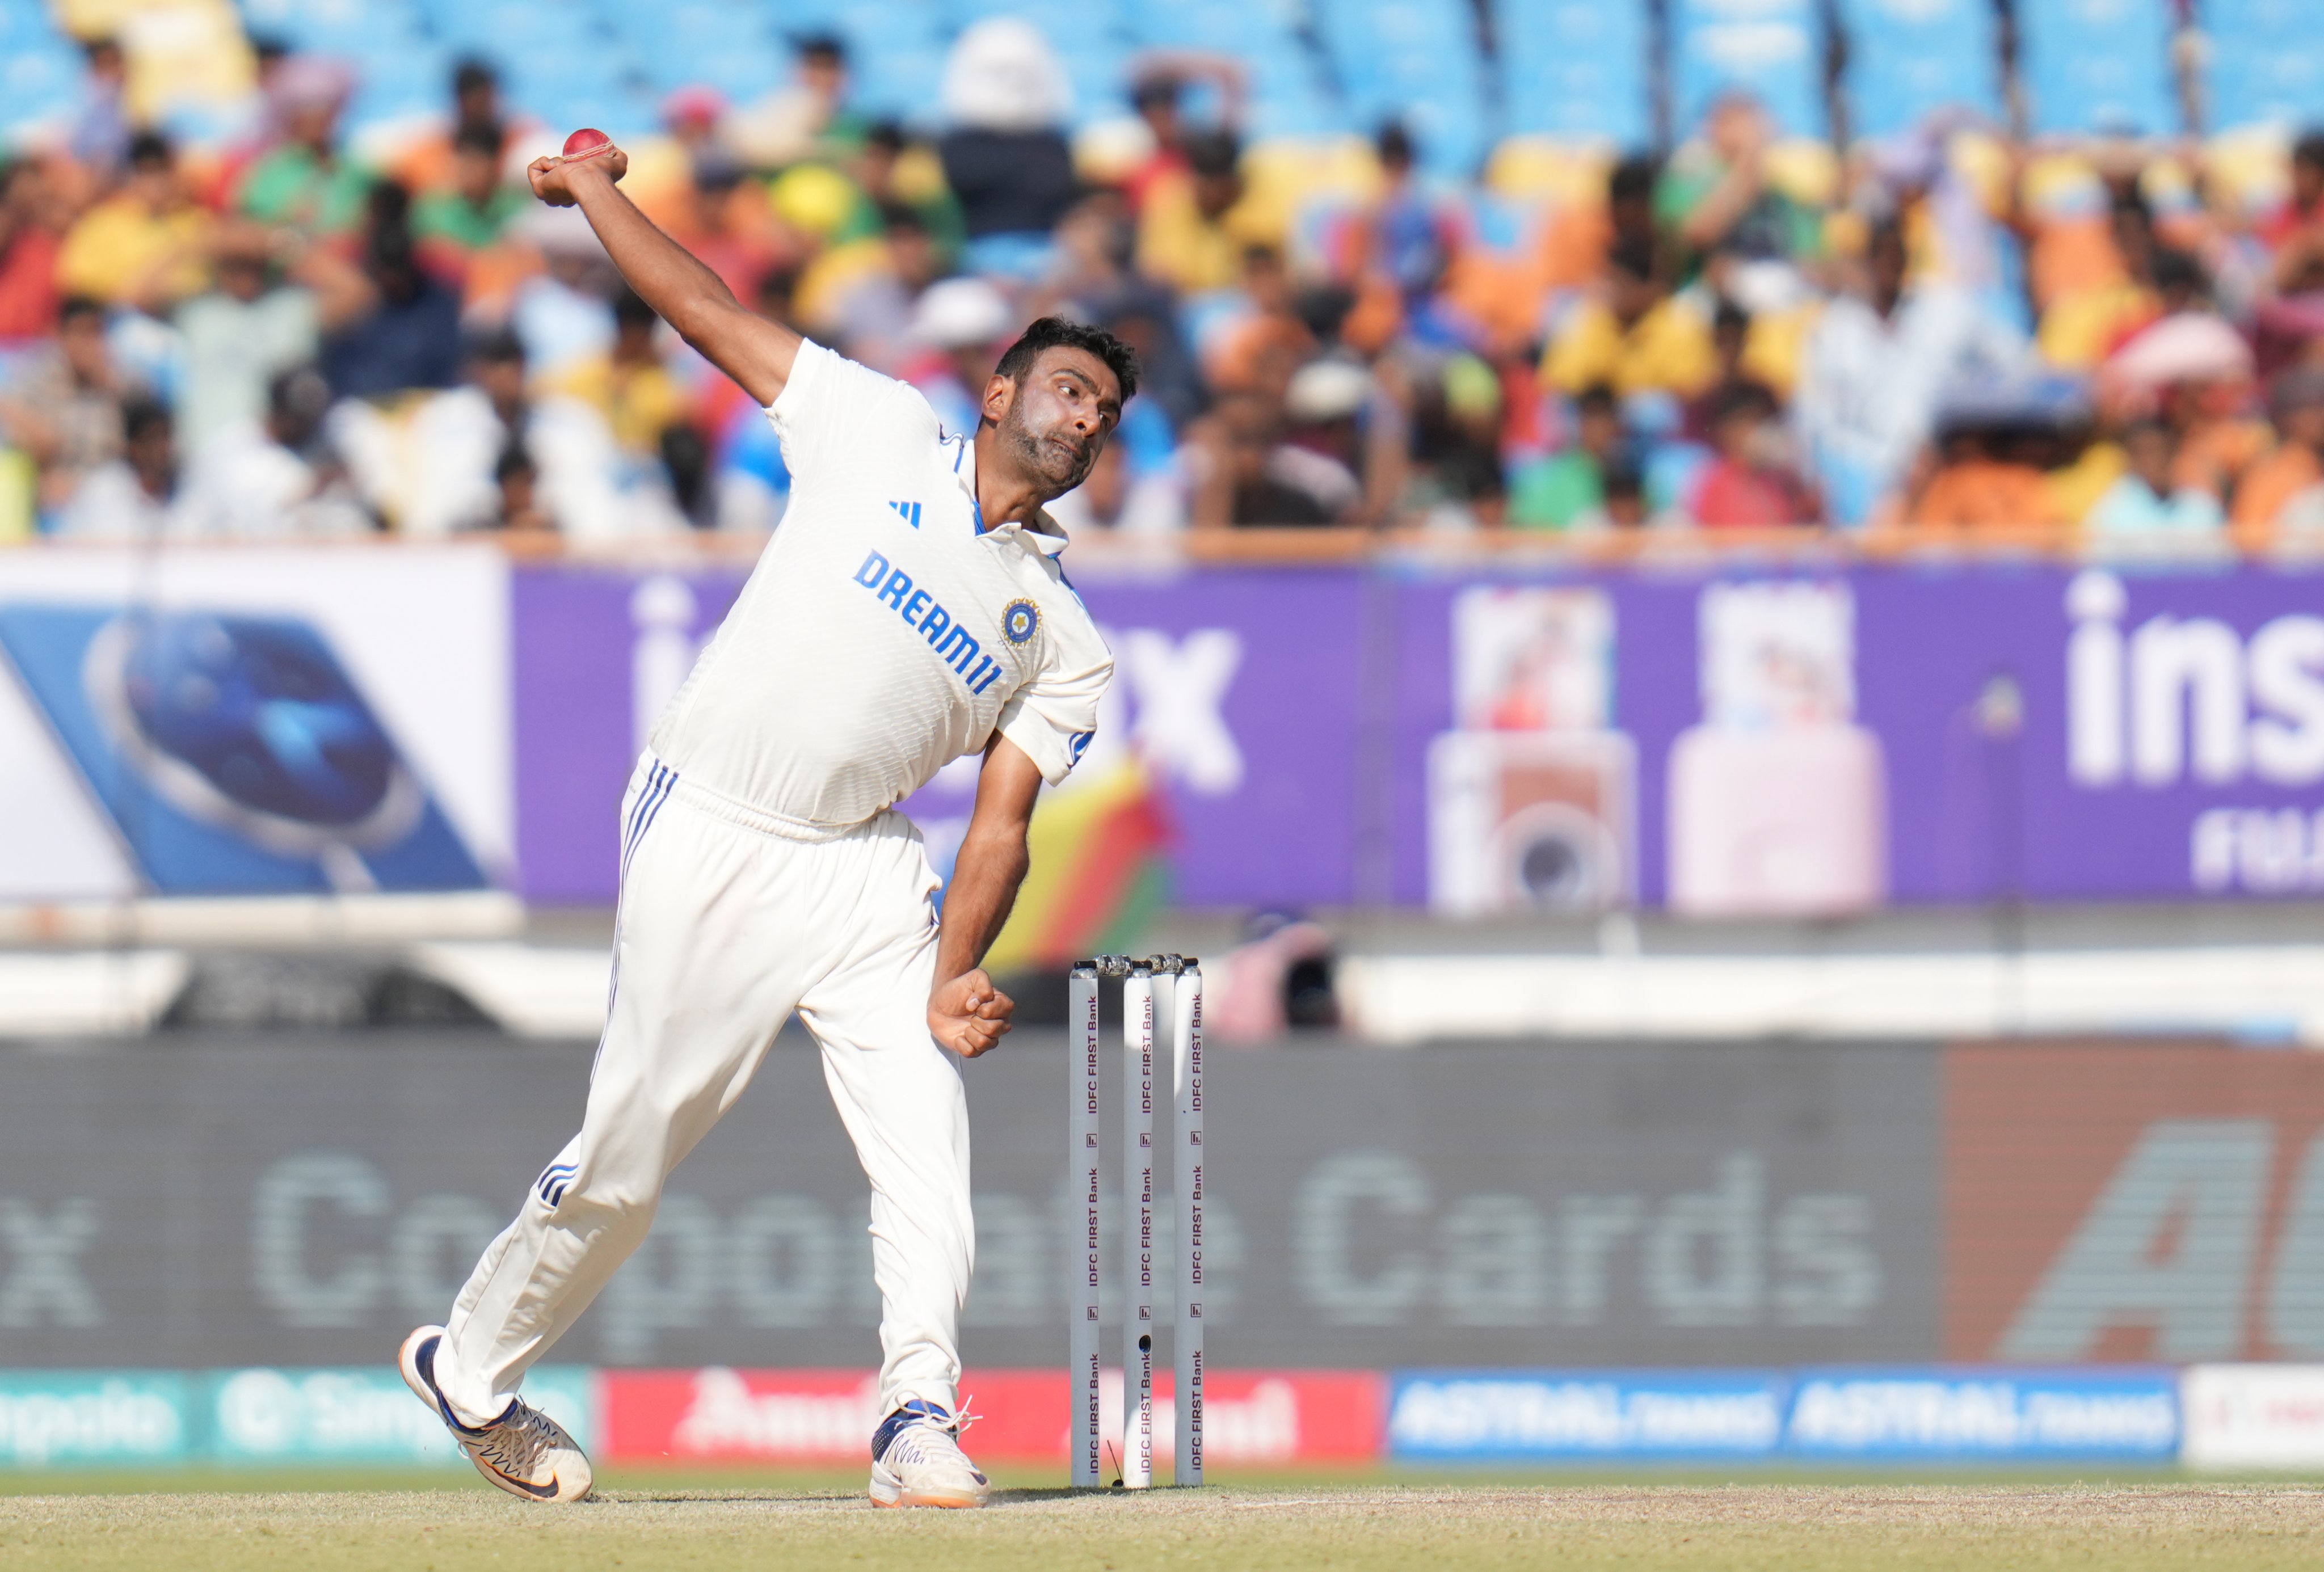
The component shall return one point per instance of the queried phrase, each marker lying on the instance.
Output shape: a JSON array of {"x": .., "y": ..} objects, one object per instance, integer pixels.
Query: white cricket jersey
[{"x": 886, "y": 631}]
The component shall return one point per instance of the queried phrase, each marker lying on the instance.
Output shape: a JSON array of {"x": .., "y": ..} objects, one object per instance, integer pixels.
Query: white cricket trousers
[{"x": 728, "y": 920}]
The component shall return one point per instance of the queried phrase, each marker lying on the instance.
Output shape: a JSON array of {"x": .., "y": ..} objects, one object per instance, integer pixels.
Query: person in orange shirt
[
  {"x": 2281, "y": 491},
  {"x": 1982, "y": 486}
]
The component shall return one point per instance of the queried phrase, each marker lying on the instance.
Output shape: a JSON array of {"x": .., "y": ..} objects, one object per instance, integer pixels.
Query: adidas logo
[{"x": 909, "y": 512}]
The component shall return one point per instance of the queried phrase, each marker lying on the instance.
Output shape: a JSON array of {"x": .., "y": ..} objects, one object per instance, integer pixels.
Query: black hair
[
  {"x": 147, "y": 147},
  {"x": 1159, "y": 89},
  {"x": 895, "y": 215},
  {"x": 1598, "y": 397},
  {"x": 102, "y": 44},
  {"x": 513, "y": 462},
  {"x": 501, "y": 346},
  {"x": 472, "y": 73},
  {"x": 1622, "y": 477},
  {"x": 142, "y": 414},
  {"x": 1633, "y": 180},
  {"x": 2176, "y": 269},
  {"x": 1212, "y": 153},
  {"x": 1729, "y": 317},
  {"x": 630, "y": 309},
  {"x": 2310, "y": 149},
  {"x": 73, "y": 306},
  {"x": 887, "y": 135},
  {"x": 1888, "y": 229},
  {"x": 1057, "y": 332},
  {"x": 1742, "y": 398},
  {"x": 486, "y": 140},
  {"x": 1635, "y": 255},
  {"x": 828, "y": 45},
  {"x": 1395, "y": 146},
  {"x": 300, "y": 392}
]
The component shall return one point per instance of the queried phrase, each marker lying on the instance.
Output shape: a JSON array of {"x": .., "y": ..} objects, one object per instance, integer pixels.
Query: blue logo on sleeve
[
  {"x": 909, "y": 512},
  {"x": 1020, "y": 622}
]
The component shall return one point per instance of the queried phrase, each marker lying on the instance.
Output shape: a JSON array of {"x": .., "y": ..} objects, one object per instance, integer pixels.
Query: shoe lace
[{"x": 516, "y": 1443}]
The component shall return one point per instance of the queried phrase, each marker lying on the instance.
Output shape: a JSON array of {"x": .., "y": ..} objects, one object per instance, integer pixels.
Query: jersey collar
[{"x": 1041, "y": 532}]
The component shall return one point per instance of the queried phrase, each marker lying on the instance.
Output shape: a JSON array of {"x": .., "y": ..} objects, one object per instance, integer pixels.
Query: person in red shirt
[
  {"x": 1751, "y": 485},
  {"x": 30, "y": 239}
]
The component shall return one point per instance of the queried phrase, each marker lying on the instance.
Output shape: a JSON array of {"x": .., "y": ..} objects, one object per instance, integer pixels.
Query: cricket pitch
[{"x": 2125, "y": 1528}]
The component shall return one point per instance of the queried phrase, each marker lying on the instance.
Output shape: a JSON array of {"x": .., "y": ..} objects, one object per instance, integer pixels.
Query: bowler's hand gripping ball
[{"x": 586, "y": 143}]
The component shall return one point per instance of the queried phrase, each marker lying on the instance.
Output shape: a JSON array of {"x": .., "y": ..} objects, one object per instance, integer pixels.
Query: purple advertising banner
[{"x": 1738, "y": 741}]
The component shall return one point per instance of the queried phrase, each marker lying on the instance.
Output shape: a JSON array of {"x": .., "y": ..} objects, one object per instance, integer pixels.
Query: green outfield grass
[{"x": 1447, "y": 1528}]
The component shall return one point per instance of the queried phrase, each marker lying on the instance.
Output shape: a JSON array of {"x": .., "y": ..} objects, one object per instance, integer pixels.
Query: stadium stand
[
  {"x": 1909, "y": 59},
  {"x": 1771, "y": 49},
  {"x": 2097, "y": 65}
]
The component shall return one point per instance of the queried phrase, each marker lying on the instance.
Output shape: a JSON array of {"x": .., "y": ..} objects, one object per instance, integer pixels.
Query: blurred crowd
[{"x": 1947, "y": 335}]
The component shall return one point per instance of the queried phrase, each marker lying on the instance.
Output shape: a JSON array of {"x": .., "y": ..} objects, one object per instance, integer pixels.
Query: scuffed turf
[{"x": 1448, "y": 1528}]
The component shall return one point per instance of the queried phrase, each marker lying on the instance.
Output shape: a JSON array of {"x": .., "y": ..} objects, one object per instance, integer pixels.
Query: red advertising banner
[
  {"x": 718, "y": 1415},
  {"x": 2125, "y": 1203}
]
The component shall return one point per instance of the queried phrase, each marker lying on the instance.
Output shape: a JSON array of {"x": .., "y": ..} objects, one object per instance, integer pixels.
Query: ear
[{"x": 1000, "y": 393}]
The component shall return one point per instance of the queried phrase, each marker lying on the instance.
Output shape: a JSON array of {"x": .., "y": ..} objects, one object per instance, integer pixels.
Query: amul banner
[{"x": 720, "y": 1415}]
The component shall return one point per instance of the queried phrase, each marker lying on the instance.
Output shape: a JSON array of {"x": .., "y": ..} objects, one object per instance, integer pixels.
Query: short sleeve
[
  {"x": 1054, "y": 717},
  {"x": 829, "y": 405}
]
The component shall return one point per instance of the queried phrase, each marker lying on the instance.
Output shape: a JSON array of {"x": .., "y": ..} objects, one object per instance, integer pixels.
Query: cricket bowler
[{"x": 909, "y": 610}]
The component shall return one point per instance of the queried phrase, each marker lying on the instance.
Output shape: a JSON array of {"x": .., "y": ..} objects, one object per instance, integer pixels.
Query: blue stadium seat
[
  {"x": 1574, "y": 69},
  {"x": 1416, "y": 61},
  {"x": 1909, "y": 58},
  {"x": 2097, "y": 66},
  {"x": 1771, "y": 49},
  {"x": 401, "y": 84},
  {"x": 2266, "y": 65},
  {"x": 39, "y": 83}
]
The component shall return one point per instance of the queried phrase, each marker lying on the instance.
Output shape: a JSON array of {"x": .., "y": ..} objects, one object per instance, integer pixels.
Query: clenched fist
[
  {"x": 558, "y": 181},
  {"x": 968, "y": 1014}
]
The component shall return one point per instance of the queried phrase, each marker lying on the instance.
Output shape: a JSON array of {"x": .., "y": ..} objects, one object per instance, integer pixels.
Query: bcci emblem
[{"x": 1020, "y": 622}]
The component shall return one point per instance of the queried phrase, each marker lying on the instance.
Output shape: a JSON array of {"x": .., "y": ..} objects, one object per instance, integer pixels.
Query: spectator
[
  {"x": 2284, "y": 493},
  {"x": 565, "y": 314},
  {"x": 1716, "y": 196},
  {"x": 1156, "y": 97},
  {"x": 960, "y": 326},
  {"x": 432, "y": 163},
  {"x": 627, "y": 382},
  {"x": 472, "y": 211},
  {"x": 806, "y": 118},
  {"x": 63, "y": 404},
  {"x": 2295, "y": 231},
  {"x": 435, "y": 472},
  {"x": 258, "y": 321},
  {"x": 518, "y": 480},
  {"x": 1005, "y": 157},
  {"x": 31, "y": 234},
  {"x": 1565, "y": 490},
  {"x": 1625, "y": 507},
  {"x": 1750, "y": 484},
  {"x": 1406, "y": 239},
  {"x": 894, "y": 173},
  {"x": 1245, "y": 473},
  {"x": 143, "y": 245},
  {"x": 305, "y": 181},
  {"x": 1196, "y": 226},
  {"x": 406, "y": 332},
  {"x": 266, "y": 478},
  {"x": 725, "y": 226},
  {"x": 99, "y": 136},
  {"x": 128, "y": 497},
  {"x": 2147, "y": 501},
  {"x": 1455, "y": 477},
  {"x": 1632, "y": 333},
  {"x": 1874, "y": 366},
  {"x": 1982, "y": 482}
]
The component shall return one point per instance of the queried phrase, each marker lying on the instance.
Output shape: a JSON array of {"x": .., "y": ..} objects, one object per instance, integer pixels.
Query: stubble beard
[{"x": 1054, "y": 465}]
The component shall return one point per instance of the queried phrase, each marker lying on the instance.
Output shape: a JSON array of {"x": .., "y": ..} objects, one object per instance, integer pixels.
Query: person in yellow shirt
[
  {"x": 1197, "y": 221},
  {"x": 143, "y": 246},
  {"x": 1633, "y": 335},
  {"x": 628, "y": 383}
]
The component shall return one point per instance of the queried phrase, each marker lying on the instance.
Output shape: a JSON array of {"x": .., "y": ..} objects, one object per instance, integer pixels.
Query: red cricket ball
[{"x": 586, "y": 142}]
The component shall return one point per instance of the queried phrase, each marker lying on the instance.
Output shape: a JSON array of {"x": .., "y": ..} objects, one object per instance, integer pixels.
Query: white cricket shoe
[
  {"x": 524, "y": 1451},
  {"x": 917, "y": 1460}
]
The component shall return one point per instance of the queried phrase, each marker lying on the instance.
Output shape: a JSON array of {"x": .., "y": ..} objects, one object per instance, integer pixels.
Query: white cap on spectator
[
  {"x": 1002, "y": 76},
  {"x": 560, "y": 231},
  {"x": 960, "y": 314},
  {"x": 1326, "y": 390}
]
